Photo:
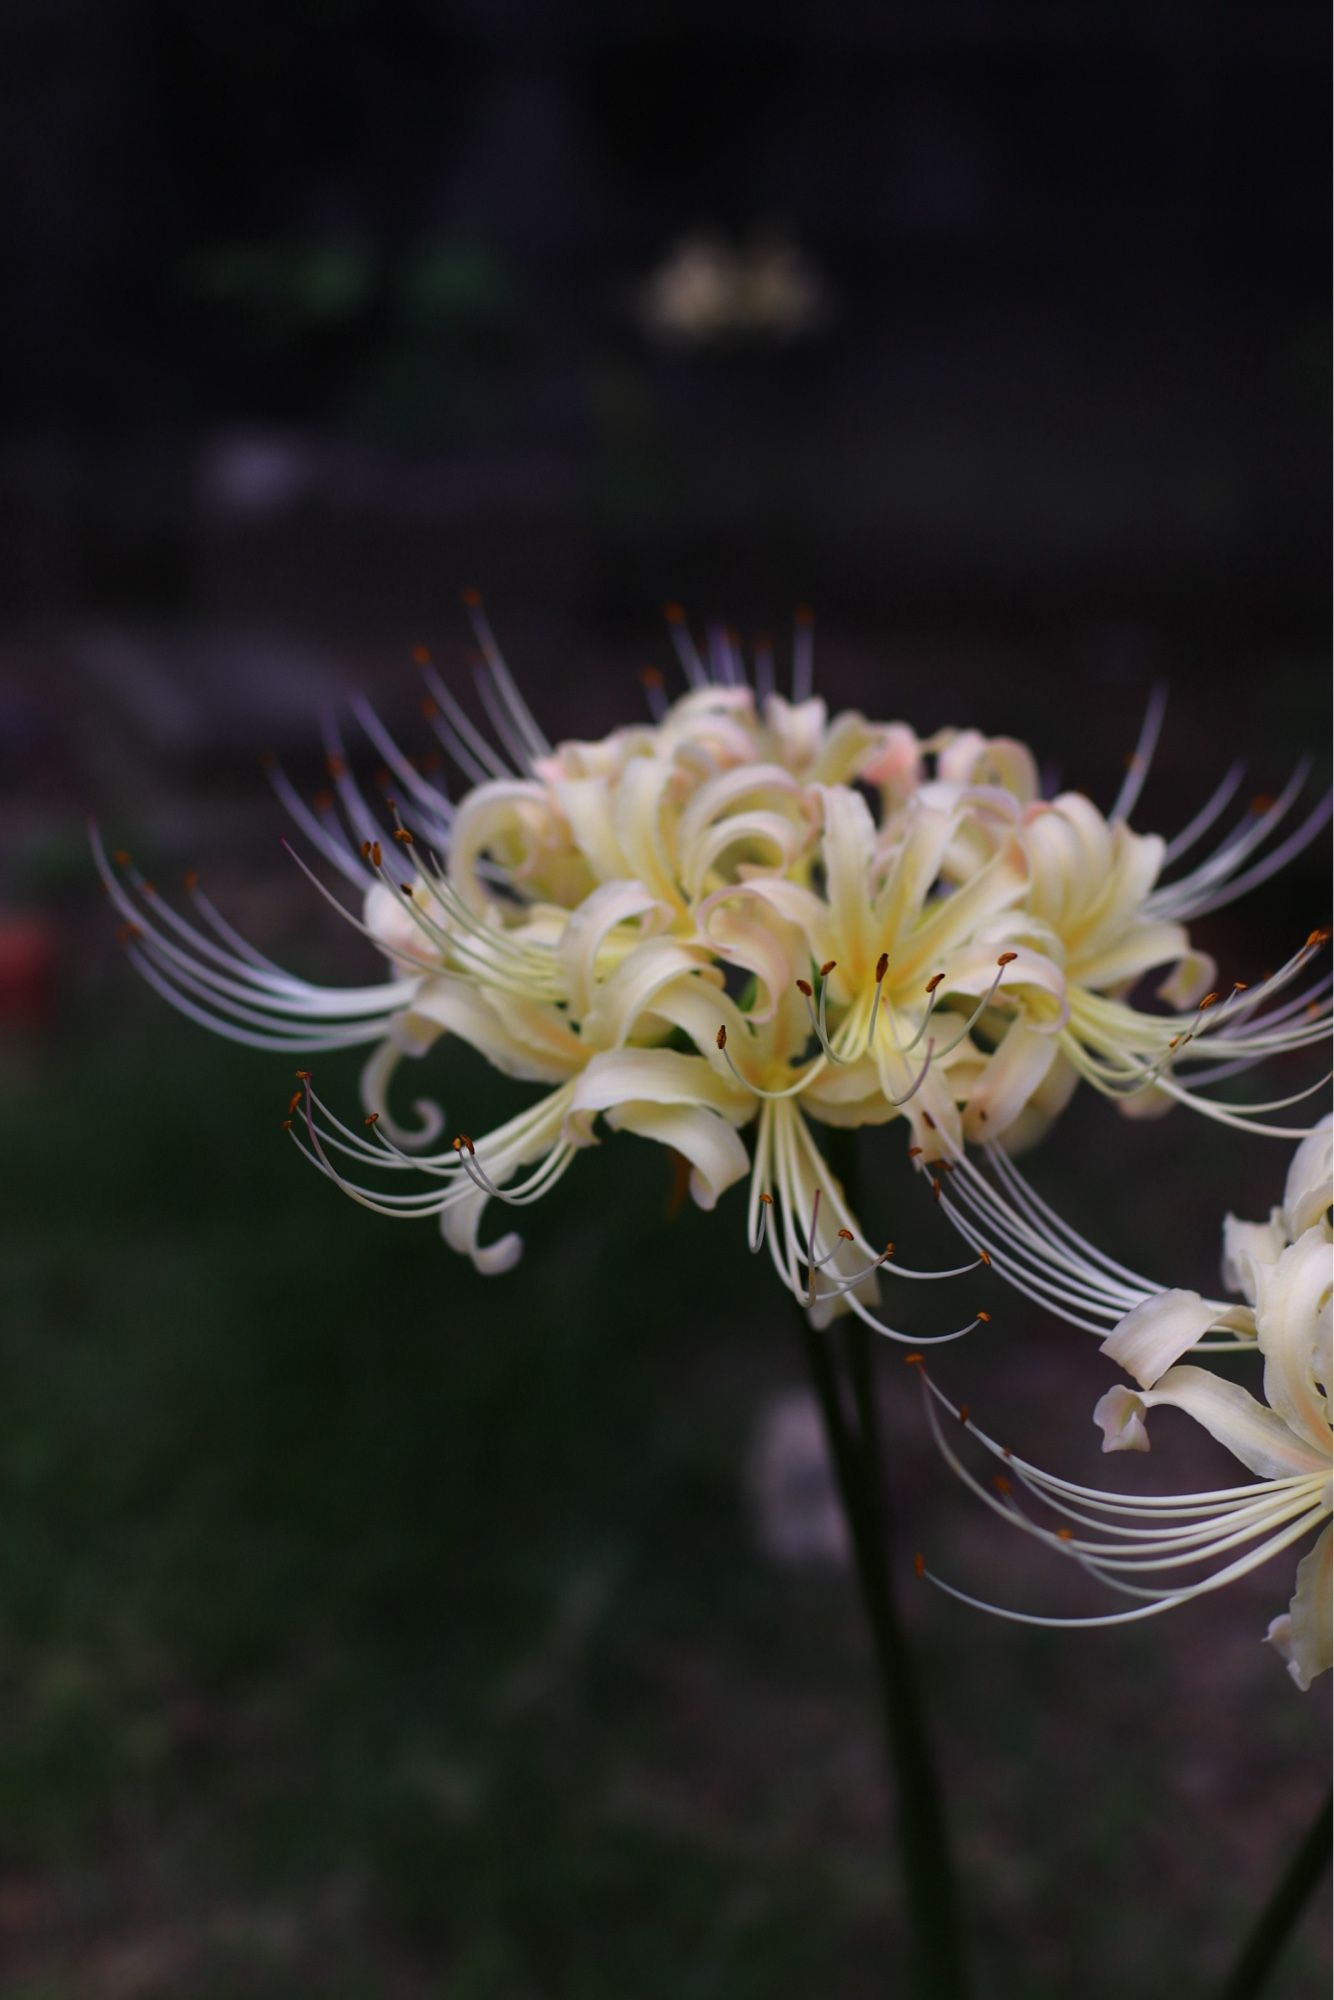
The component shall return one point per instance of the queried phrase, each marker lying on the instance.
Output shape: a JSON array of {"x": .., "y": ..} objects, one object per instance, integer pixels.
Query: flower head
[{"x": 743, "y": 915}]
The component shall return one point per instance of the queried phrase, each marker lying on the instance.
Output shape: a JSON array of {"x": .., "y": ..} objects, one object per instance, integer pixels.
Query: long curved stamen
[
  {"x": 1212, "y": 1526},
  {"x": 691, "y": 664},
  {"x": 1137, "y": 766},
  {"x": 510, "y": 715},
  {"x": 757, "y": 1089}
]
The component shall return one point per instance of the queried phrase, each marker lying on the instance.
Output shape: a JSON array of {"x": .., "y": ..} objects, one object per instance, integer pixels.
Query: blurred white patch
[{"x": 794, "y": 1501}]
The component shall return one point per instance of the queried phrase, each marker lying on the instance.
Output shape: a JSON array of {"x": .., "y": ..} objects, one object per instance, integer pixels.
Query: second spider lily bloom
[
  {"x": 606, "y": 1060},
  {"x": 1307, "y": 1198},
  {"x": 1031, "y": 1246},
  {"x": 1152, "y": 1548}
]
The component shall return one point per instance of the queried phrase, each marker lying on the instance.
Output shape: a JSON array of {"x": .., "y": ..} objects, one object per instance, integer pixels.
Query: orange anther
[
  {"x": 914, "y": 1152},
  {"x": 722, "y": 1038},
  {"x": 1065, "y": 1534},
  {"x": 402, "y": 836},
  {"x": 919, "y": 1564},
  {"x": 963, "y": 1413},
  {"x": 371, "y": 1118},
  {"x": 827, "y": 967},
  {"x": 881, "y": 967},
  {"x": 472, "y": 598},
  {"x": 121, "y": 857},
  {"x": 767, "y": 1200},
  {"x": 914, "y": 1360},
  {"x": 845, "y": 1236},
  {"x": 985, "y": 1317},
  {"x": 804, "y": 986},
  {"x": 420, "y": 656},
  {"x": 1002, "y": 1484},
  {"x": 674, "y": 614},
  {"x": 1007, "y": 958},
  {"x": 985, "y": 1257},
  {"x": 190, "y": 881},
  {"x": 936, "y": 979},
  {"x": 650, "y": 677}
]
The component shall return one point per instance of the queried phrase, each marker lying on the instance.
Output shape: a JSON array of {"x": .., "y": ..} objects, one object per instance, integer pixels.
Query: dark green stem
[
  {"x": 1264, "y": 1947},
  {"x": 928, "y": 1873}
]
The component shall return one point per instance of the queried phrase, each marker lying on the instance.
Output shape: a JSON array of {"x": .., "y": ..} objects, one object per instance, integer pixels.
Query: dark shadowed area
[{"x": 368, "y": 1627}]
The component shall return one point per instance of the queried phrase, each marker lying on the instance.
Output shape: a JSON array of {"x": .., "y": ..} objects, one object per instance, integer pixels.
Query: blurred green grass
[{"x": 372, "y": 1628}]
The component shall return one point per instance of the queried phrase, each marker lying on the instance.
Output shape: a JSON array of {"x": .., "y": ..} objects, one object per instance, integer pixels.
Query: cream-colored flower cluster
[
  {"x": 744, "y": 923},
  {"x": 727, "y": 928}
]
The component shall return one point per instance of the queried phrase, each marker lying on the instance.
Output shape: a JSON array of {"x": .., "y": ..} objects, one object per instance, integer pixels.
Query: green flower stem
[
  {"x": 853, "y": 1440},
  {"x": 1264, "y": 1947}
]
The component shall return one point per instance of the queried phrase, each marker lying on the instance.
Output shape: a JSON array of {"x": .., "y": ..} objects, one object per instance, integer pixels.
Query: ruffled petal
[
  {"x": 1292, "y": 1318},
  {"x": 1310, "y": 1185},
  {"x": 1247, "y": 1245}
]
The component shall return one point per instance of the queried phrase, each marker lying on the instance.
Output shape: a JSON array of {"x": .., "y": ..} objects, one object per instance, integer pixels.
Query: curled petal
[
  {"x": 1157, "y": 1333},
  {"x": 1252, "y": 1433},
  {"x": 716, "y": 1155},
  {"x": 1302, "y": 1635}
]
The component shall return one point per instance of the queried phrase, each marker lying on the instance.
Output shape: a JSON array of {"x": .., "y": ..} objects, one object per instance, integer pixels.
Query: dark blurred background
[{"x": 366, "y": 1628}]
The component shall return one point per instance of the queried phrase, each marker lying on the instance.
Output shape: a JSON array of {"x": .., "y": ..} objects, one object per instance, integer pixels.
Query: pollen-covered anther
[
  {"x": 303, "y": 1075},
  {"x": 914, "y": 1360},
  {"x": 828, "y": 967},
  {"x": 1007, "y": 958},
  {"x": 984, "y": 1257},
  {"x": 805, "y": 988},
  {"x": 1208, "y": 1001},
  {"x": 1065, "y": 1534},
  {"x": 463, "y": 1144},
  {"x": 767, "y": 1200},
  {"x": 936, "y": 979},
  {"x": 294, "y": 1100},
  {"x": 1317, "y": 938},
  {"x": 370, "y": 851},
  {"x": 402, "y": 836},
  {"x": 371, "y": 1118},
  {"x": 845, "y": 1236},
  {"x": 985, "y": 1317}
]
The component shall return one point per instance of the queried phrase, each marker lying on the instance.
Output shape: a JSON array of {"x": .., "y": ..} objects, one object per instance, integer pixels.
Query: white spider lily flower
[
  {"x": 774, "y": 1067},
  {"x": 1160, "y": 1329},
  {"x": 1307, "y": 1198},
  {"x": 1151, "y": 1547},
  {"x": 906, "y": 972},
  {"x": 999, "y": 1213}
]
